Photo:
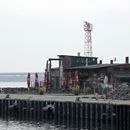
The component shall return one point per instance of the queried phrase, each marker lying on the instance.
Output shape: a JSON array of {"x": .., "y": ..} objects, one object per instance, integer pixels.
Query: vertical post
[
  {"x": 107, "y": 114},
  {"x": 86, "y": 114},
  {"x": 63, "y": 111},
  {"x": 67, "y": 107},
  {"x": 111, "y": 115},
  {"x": 49, "y": 74},
  {"x": 101, "y": 107},
  {"x": 58, "y": 112},
  {"x": 72, "y": 108},
  {"x": 117, "y": 116},
  {"x": 91, "y": 115},
  {"x": 76, "y": 114},
  {"x": 96, "y": 116},
  {"x": 128, "y": 117},
  {"x": 120, "y": 116},
  {"x": 81, "y": 113}
]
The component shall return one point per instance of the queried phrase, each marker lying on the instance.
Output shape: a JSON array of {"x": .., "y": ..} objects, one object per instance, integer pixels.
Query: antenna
[{"x": 88, "y": 39}]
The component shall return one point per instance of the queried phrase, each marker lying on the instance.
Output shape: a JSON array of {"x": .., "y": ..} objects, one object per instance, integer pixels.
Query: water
[
  {"x": 17, "y": 79},
  {"x": 28, "y": 125},
  {"x": 54, "y": 125},
  {"x": 22, "y": 125}
]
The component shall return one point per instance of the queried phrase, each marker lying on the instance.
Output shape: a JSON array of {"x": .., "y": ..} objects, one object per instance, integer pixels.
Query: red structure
[
  {"x": 64, "y": 80},
  {"x": 70, "y": 80},
  {"x": 36, "y": 80},
  {"x": 76, "y": 79}
]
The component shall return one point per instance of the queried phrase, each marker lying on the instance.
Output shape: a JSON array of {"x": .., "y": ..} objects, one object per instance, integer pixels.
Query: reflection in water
[{"x": 54, "y": 125}]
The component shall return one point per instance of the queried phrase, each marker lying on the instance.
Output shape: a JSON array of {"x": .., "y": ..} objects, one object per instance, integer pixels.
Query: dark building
[
  {"x": 90, "y": 71},
  {"x": 75, "y": 61}
]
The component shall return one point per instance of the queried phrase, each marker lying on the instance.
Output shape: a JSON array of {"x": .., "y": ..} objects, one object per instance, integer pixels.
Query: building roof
[
  {"x": 76, "y": 56},
  {"x": 97, "y": 66}
]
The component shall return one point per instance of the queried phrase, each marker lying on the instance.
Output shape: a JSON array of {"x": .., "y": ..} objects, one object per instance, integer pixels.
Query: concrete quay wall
[{"x": 81, "y": 109}]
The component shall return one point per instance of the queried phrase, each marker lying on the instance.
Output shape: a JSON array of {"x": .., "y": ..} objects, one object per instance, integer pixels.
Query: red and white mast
[{"x": 88, "y": 39}]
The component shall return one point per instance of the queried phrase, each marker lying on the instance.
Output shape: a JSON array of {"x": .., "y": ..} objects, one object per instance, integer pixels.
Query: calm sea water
[
  {"x": 17, "y": 79},
  {"x": 22, "y": 125},
  {"x": 56, "y": 125}
]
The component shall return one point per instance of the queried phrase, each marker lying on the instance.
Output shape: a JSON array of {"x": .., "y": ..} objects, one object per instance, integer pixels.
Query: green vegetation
[
  {"x": 87, "y": 90},
  {"x": 76, "y": 90},
  {"x": 41, "y": 90}
]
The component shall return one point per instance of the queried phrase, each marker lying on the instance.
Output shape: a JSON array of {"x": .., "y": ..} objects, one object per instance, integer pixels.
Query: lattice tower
[{"x": 88, "y": 39}]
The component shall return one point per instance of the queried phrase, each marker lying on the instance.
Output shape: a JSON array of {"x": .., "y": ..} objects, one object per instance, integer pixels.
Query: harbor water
[
  {"x": 50, "y": 125},
  {"x": 18, "y": 80}
]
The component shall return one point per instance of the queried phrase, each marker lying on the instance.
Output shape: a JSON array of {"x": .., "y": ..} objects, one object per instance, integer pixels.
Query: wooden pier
[{"x": 72, "y": 110}]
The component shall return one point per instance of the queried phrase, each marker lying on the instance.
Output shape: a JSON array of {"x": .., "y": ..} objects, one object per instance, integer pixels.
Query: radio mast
[{"x": 88, "y": 39}]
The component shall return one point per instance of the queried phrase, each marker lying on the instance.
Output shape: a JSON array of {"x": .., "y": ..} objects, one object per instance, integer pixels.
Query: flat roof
[
  {"x": 95, "y": 66},
  {"x": 76, "y": 56}
]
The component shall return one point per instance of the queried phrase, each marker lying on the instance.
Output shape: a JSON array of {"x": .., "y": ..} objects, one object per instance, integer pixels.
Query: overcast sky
[{"x": 31, "y": 31}]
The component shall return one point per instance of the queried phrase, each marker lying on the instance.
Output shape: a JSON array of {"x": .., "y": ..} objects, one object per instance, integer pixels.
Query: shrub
[
  {"x": 76, "y": 90},
  {"x": 41, "y": 90},
  {"x": 87, "y": 90}
]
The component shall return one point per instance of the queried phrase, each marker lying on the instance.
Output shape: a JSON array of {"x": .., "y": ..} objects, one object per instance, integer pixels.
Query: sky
[{"x": 32, "y": 31}]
